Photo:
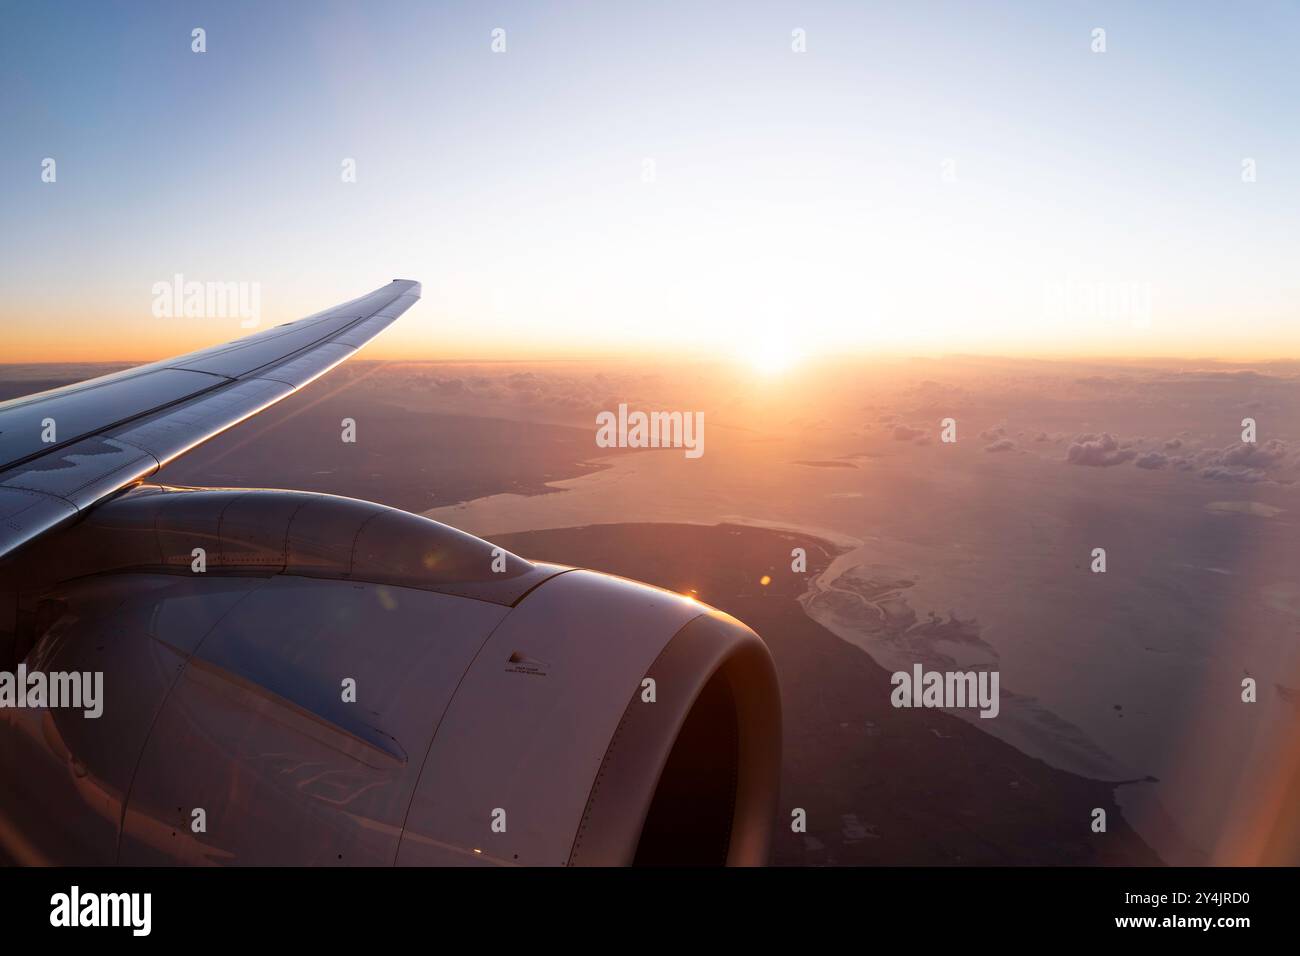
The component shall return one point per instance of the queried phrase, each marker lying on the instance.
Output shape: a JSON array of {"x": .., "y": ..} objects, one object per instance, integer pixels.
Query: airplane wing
[{"x": 63, "y": 450}]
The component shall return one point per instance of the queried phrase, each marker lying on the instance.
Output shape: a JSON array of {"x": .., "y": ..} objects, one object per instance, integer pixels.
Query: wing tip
[{"x": 412, "y": 287}]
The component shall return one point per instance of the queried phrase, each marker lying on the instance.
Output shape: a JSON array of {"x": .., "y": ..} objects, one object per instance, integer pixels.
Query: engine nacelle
[{"x": 337, "y": 682}]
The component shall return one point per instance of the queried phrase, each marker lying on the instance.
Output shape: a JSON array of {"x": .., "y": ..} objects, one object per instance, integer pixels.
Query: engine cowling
[{"x": 344, "y": 683}]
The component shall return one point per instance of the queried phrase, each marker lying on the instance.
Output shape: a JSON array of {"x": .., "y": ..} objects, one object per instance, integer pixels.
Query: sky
[{"x": 668, "y": 178}]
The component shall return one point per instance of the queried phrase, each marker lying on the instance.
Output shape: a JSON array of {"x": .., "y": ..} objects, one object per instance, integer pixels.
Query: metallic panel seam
[
  {"x": 352, "y": 551},
  {"x": 519, "y": 600},
  {"x": 284, "y": 359},
  {"x": 221, "y": 521},
  {"x": 288, "y": 525},
  {"x": 197, "y": 371}
]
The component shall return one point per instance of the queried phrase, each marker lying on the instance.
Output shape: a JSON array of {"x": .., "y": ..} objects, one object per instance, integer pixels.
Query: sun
[{"x": 769, "y": 355}]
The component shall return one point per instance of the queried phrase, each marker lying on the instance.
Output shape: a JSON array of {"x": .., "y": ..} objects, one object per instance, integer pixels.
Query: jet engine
[{"x": 296, "y": 678}]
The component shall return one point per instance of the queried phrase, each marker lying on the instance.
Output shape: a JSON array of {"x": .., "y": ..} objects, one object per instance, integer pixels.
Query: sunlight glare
[{"x": 769, "y": 355}]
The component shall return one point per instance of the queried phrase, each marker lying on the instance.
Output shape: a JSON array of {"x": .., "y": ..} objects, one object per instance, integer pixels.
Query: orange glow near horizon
[{"x": 108, "y": 332}]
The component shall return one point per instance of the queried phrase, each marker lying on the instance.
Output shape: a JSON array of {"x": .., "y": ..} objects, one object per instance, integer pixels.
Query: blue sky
[{"x": 797, "y": 204}]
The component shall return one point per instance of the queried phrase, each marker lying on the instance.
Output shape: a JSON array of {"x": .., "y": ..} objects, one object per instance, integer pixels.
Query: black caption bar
[{"x": 332, "y": 906}]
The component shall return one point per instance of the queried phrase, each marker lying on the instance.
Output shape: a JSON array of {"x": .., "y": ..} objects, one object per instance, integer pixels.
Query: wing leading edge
[{"x": 115, "y": 430}]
